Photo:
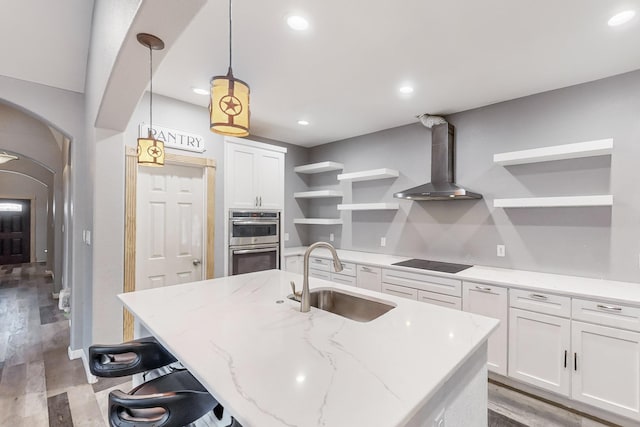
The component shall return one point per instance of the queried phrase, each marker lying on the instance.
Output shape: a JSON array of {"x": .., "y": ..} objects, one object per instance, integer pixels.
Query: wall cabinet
[
  {"x": 491, "y": 301},
  {"x": 254, "y": 176}
]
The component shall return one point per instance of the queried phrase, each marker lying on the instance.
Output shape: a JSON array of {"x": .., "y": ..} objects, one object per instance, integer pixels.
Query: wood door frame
[{"x": 131, "y": 182}]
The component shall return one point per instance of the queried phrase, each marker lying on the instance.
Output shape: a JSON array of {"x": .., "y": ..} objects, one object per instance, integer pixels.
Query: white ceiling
[
  {"x": 342, "y": 75},
  {"x": 46, "y": 42}
]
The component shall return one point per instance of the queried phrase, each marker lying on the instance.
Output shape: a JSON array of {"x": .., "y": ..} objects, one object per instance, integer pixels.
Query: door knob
[{"x": 197, "y": 262}]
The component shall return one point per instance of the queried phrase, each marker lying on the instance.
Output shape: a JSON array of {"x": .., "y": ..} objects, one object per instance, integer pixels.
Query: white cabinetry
[
  {"x": 369, "y": 278},
  {"x": 436, "y": 290},
  {"x": 539, "y": 349},
  {"x": 293, "y": 263},
  {"x": 490, "y": 301},
  {"x": 606, "y": 358},
  {"x": 254, "y": 175}
]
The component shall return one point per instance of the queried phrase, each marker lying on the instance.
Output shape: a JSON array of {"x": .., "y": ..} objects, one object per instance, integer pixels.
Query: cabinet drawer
[
  {"x": 540, "y": 302},
  {"x": 343, "y": 279},
  {"x": 400, "y": 291},
  {"x": 603, "y": 313},
  {"x": 440, "y": 285},
  {"x": 319, "y": 274},
  {"x": 319, "y": 264},
  {"x": 348, "y": 268},
  {"x": 440, "y": 299},
  {"x": 369, "y": 277}
]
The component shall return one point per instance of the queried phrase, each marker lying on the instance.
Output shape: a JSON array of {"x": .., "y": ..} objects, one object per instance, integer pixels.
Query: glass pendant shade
[
  {"x": 150, "y": 152},
  {"x": 229, "y": 106}
]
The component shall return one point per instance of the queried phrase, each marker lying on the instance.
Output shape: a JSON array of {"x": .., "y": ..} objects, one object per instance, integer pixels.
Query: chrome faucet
[{"x": 305, "y": 303}]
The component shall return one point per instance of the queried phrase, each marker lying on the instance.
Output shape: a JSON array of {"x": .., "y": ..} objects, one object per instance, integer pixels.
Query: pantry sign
[{"x": 174, "y": 138}]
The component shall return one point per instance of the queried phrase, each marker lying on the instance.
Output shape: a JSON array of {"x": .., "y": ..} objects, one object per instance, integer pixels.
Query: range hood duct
[{"x": 442, "y": 185}]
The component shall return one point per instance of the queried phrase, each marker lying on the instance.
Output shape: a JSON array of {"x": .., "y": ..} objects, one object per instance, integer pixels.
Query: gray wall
[{"x": 590, "y": 241}]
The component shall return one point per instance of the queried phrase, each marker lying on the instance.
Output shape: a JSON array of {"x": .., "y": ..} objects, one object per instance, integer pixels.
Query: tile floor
[{"x": 40, "y": 386}]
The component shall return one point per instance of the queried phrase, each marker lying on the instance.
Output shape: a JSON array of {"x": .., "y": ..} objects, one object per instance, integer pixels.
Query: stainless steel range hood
[{"x": 442, "y": 185}]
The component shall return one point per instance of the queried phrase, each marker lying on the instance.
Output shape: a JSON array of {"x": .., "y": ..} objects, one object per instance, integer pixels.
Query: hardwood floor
[{"x": 40, "y": 386}]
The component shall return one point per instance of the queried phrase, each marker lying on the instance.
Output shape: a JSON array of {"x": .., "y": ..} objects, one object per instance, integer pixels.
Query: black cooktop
[{"x": 425, "y": 264}]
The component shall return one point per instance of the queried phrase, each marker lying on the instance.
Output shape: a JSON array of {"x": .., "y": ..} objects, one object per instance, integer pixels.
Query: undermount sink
[{"x": 348, "y": 305}]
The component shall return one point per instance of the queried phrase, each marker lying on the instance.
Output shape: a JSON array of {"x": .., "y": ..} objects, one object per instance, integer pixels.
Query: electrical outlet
[
  {"x": 88, "y": 237},
  {"x": 500, "y": 250},
  {"x": 286, "y": 237},
  {"x": 331, "y": 237},
  {"x": 383, "y": 241}
]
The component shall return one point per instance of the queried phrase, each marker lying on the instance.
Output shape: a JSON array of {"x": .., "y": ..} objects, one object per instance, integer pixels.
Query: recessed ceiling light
[
  {"x": 621, "y": 18},
  {"x": 406, "y": 90},
  {"x": 303, "y": 122},
  {"x": 200, "y": 91},
  {"x": 297, "y": 22}
]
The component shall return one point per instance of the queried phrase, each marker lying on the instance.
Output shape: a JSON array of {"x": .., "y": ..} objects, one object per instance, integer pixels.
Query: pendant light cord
[
  {"x": 150, "y": 90},
  {"x": 230, "y": 34}
]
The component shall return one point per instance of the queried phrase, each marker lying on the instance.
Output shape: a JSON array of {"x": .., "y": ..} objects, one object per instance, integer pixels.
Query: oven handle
[
  {"x": 253, "y": 251},
  {"x": 235, "y": 222}
]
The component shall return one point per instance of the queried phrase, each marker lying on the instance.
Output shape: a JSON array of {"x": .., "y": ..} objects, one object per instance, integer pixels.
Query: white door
[
  {"x": 607, "y": 372},
  {"x": 241, "y": 176},
  {"x": 270, "y": 166},
  {"x": 169, "y": 226},
  {"x": 490, "y": 301},
  {"x": 539, "y": 351}
]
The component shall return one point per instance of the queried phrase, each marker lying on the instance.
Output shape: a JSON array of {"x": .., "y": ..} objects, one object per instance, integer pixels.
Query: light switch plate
[
  {"x": 500, "y": 250},
  {"x": 286, "y": 237},
  {"x": 331, "y": 237},
  {"x": 383, "y": 241}
]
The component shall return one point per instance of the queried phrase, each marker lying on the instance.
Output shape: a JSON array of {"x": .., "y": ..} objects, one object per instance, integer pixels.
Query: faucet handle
[{"x": 293, "y": 290}]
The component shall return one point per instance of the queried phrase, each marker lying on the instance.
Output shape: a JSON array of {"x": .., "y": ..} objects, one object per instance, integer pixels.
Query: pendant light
[
  {"x": 150, "y": 150},
  {"x": 229, "y": 107},
  {"x": 4, "y": 157}
]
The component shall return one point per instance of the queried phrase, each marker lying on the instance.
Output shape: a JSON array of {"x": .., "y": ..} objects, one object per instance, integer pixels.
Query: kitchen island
[{"x": 271, "y": 365}]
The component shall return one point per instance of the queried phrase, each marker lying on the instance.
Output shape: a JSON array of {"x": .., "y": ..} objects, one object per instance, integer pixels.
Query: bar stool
[{"x": 171, "y": 400}]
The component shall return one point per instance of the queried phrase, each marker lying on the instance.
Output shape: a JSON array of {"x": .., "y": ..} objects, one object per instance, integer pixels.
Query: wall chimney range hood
[{"x": 442, "y": 185}]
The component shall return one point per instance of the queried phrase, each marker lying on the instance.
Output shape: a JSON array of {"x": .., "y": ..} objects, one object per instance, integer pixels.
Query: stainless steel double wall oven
[{"x": 254, "y": 241}]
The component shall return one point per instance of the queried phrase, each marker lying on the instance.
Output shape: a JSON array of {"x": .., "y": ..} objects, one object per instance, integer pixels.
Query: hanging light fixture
[
  {"x": 4, "y": 157},
  {"x": 229, "y": 107},
  {"x": 150, "y": 150}
]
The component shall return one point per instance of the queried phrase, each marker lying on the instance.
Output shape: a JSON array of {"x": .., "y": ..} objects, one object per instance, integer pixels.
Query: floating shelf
[
  {"x": 369, "y": 207},
  {"x": 553, "y": 202},
  {"x": 317, "y": 194},
  {"x": 369, "y": 175},
  {"x": 318, "y": 221},
  {"x": 601, "y": 147},
  {"x": 319, "y": 167}
]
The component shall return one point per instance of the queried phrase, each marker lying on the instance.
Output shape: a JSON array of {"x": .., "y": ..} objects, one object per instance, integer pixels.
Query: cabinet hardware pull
[
  {"x": 256, "y": 205},
  {"x": 483, "y": 288},
  {"x": 565, "y": 358},
  {"x": 575, "y": 361},
  {"x": 609, "y": 307},
  {"x": 367, "y": 269},
  {"x": 538, "y": 296},
  {"x": 317, "y": 261},
  {"x": 260, "y": 201}
]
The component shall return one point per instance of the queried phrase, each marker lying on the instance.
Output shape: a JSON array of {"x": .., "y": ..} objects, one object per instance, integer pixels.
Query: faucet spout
[{"x": 305, "y": 303}]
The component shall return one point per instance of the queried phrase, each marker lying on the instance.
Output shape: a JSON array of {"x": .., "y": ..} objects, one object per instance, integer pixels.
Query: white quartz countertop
[
  {"x": 271, "y": 365},
  {"x": 583, "y": 287}
]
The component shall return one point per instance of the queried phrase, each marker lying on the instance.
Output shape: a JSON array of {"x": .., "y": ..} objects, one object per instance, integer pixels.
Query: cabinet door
[
  {"x": 369, "y": 278},
  {"x": 490, "y": 301},
  {"x": 539, "y": 350},
  {"x": 241, "y": 177},
  {"x": 270, "y": 180},
  {"x": 606, "y": 373},
  {"x": 293, "y": 264}
]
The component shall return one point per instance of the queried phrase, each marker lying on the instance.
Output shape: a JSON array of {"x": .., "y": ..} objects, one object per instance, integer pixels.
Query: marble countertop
[
  {"x": 582, "y": 287},
  {"x": 271, "y": 365}
]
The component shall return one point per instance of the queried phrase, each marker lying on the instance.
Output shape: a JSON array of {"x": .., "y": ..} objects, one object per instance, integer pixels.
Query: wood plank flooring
[{"x": 40, "y": 386}]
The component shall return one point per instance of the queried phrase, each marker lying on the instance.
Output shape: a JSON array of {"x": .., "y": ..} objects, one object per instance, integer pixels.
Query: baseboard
[{"x": 80, "y": 354}]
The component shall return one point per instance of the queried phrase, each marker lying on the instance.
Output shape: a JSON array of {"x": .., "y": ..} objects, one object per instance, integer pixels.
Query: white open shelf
[
  {"x": 318, "y": 221},
  {"x": 317, "y": 194},
  {"x": 553, "y": 202},
  {"x": 369, "y": 175},
  {"x": 369, "y": 207},
  {"x": 599, "y": 147},
  {"x": 319, "y": 167}
]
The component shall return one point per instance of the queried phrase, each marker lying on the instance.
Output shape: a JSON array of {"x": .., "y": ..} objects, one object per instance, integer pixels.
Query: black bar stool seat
[
  {"x": 128, "y": 358},
  {"x": 173, "y": 400}
]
